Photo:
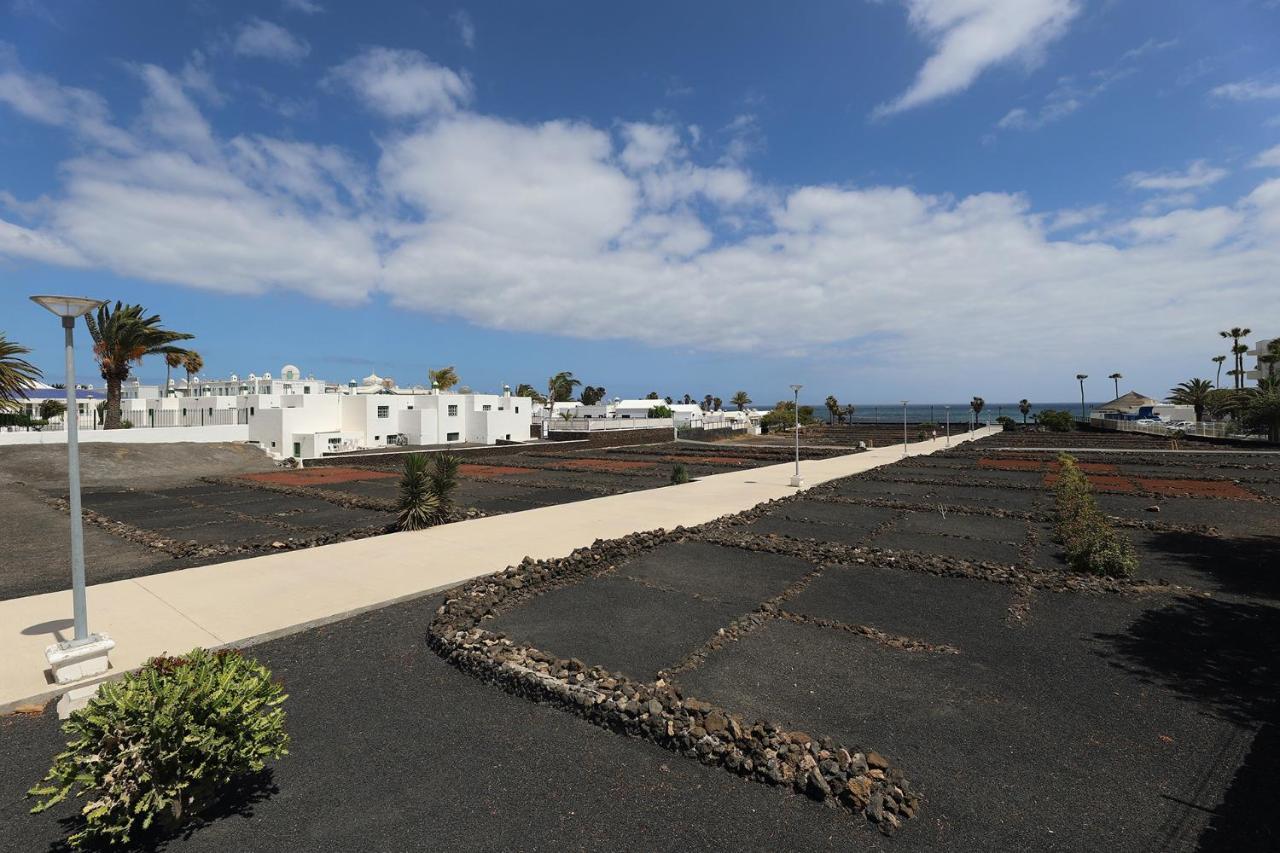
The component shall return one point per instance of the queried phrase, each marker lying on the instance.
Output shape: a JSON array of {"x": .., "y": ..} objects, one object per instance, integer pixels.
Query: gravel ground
[{"x": 393, "y": 749}]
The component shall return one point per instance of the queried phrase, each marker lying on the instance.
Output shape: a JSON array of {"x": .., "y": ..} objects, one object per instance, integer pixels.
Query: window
[
  {"x": 377, "y": 438},
  {"x": 384, "y": 411},
  {"x": 334, "y": 442},
  {"x": 250, "y": 411},
  {"x": 306, "y": 389},
  {"x": 453, "y": 410},
  {"x": 517, "y": 410},
  {"x": 486, "y": 408},
  {"x": 452, "y": 436}
]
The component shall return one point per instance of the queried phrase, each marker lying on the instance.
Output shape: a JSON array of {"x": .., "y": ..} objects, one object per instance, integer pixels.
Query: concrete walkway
[{"x": 255, "y": 599}]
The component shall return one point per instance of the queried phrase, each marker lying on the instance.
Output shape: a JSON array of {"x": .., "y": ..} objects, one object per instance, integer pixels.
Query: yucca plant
[
  {"x": 158, "y": 746},
  {"x": 679, "y": 474},
  {"x": 417, "y": 506},
  {"x": 444, "y": 481}
]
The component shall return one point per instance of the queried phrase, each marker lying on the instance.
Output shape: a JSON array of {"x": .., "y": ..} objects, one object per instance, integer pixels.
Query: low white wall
[{"x": 138, "y": 435}]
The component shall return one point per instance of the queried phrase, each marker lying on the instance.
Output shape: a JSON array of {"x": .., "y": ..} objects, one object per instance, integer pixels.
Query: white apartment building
[{"x": 1260, "y": 370}]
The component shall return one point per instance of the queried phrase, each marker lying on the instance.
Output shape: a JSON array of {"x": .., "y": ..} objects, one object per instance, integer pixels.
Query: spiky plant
[
  {"x": 740, "y": 399},
  {"x": 417, "y": 505},
  {"x": 121, "y": 337},
  {"x": 1194, "y": 393},
  {"x": 443, "y": 481},
  {"x": 16, "y": 374}
]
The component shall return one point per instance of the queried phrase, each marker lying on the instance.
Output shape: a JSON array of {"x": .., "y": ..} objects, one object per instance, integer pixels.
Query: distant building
[{"x": 1259, "y": 369}]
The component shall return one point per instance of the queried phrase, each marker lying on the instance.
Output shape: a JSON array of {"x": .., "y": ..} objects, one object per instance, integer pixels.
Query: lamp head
[
  {"x": 1082, "y": 376},
  {"x": 796, "y": 388},
  {"x": 68, "y": 306}
]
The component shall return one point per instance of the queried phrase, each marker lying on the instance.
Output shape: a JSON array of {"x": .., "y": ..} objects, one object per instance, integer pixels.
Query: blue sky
[{"x": 928, "y": 198}]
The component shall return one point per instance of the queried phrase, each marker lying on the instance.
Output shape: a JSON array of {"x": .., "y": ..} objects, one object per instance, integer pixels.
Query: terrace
[{"x": 917, "y": 614}]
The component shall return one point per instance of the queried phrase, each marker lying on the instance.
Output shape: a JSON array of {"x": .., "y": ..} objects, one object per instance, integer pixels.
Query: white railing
[
  {"x": 559, "y": 424},
  {"x": 1203, "y": 429}
]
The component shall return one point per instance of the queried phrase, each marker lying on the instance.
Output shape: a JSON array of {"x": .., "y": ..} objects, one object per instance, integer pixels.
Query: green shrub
[
  {"x": 443, "y": 481},
  {"x": 679, "y": 474},
  {"x": 416, "y": 506},
  {"x": 159, "y": 745},
  {"x": 1091, "y": 543},
  {"x": 1006, "y": 421},
  {"x": 660, "y": 412},
  {"x": 1057, "y": 421},
  {"x": 126, "y": 424}
]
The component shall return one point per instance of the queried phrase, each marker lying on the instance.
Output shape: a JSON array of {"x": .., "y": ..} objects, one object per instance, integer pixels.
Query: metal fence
[
  {"x": 1203, "y": 429},
  {"x": 191, "y": 416}
]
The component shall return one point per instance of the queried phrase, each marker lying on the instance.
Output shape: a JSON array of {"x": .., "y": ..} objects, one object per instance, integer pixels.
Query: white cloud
[
  {"x": 970, "y": 36},
  {"x": 1269, "y": 159},
  {"x": 1196, "y": 176},
  {"x": 466, "y": 28},
  {"x": 44, "y": 100},
  {"x": 402, "y": 83},
  {"x": 264, "y": 40},
  {"x": 1071, "y": 94},
  {"x": 1248, "y": 90},
  {"x": 552, "y": 227},
  {"x": 306, "y": 7}
]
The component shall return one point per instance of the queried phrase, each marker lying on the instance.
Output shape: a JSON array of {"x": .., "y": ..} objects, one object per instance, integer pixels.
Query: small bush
[
  {"x": 159, "y": 745},
  {"x": 1092, "y": 544},
  {"x": 679, "y": 474},
  {"x": 1057, "y": 421},
  {"x": 660, "y": 412},
  {"x": 126, "y": 424},
  {"x": 416, "y": 506},
  {"x": 1006, "y": 422}
]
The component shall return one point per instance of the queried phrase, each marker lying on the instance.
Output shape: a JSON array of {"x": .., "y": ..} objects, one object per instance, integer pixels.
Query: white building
[{"x": 1259, "y": 369}]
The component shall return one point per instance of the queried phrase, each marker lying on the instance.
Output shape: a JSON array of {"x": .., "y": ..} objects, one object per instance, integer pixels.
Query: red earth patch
[
  {"x": 713, "y": 460},
  {"x": 1199, "y": 488},
  {"x": 1011, "y": 464},
  {"x": 318, "y": 476},
  {"x": 608, "y": 465},
  {"x": 1100, "y": 482},
  {"x": 475, "y": 470}
]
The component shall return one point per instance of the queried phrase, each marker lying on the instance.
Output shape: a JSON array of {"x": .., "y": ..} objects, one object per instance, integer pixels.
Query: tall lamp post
[
  {"x": 85, "y": 654},
  {"x": 948, "y": 409},
  {"x": 1081, "y": 377},
  {"x": 796, "y": 480},
  {"x": 1116, "y": 377},
  {"x": 904, "y": 427}
]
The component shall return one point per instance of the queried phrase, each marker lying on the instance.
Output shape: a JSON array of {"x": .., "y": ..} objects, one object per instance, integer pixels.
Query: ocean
[{"x": 936, "y": 412}]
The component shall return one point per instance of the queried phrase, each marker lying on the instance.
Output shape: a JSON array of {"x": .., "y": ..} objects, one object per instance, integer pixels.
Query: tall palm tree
[
  {"x": 1194, "y": 393},
  {"x": 16, "y": 373},
  {"x": 526, "y": 390},
  {"x": 1116, "y": 377},
  {"x": 444, "y": 378},
  {"x": 193, "y": 363},
  {"x": 1235, "y": 333},
  {"x": 833, "y": 406},
  {"x": 1241, "y": 373},
  {"x": 122, "y": 337},
  {"x": 977, "y": 404},
  {"x": 560, "y": 387},
  {"x": 1024, "y": 406},
  {"x": 741, "y": 400},
  {"x": 1218, "y": 359},
  {"x": 171, "y": 360},
  {"x": 848, "y": 412}
]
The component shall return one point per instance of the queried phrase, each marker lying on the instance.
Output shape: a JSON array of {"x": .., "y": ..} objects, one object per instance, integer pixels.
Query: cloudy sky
[{"x": 892, "y": 198}]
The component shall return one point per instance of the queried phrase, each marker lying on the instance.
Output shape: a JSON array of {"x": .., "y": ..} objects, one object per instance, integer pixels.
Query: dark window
[
  {"x": 453, "y": 409},
  {"x": 453, "y": 436},
  {"x": 384, "y": 411}
]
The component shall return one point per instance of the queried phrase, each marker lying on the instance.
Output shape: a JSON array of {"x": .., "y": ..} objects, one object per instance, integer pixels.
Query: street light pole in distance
[
  {"x": 796, "y": 480},
  {"x": 904, "y": 427}
]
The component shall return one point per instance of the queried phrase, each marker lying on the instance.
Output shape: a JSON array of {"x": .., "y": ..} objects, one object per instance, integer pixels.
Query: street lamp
[
  {"x": 797, "y": 481},
  {"x": 948, "y": 410},
  {"x": 84, "y": 654},
  {"x": 1081, "y": 377},
  {"x": 904, "y": 427},
  {"x": 1116, "y": 377}
]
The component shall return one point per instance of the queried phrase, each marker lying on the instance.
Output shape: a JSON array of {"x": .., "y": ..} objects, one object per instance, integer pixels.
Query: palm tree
[
  {"x": 171, "y": 360},
  {"x": 848, "y": 412},
  {"x": 833, "y": 406},
  {"x": 741, "y": 400},
  {"x": 1116, "y": 377},
  {"x": 1024, "y": 406},
  {"x": 16, "y": 374},
  {"x": 121, "y": 338},
  {"x": 716, "y": 404},
  {"x": 1194, "y": 393},
  {"x": 444, "y": 378},
  {"x": 193, "y": 363},
  {"x": 1218, "y": 359},
  {"x": 526, "y": 390},
  {"x": 1235, "y": 334},
  {"x": 977, "y": 404},
  {"x": 560, "y": 387}
]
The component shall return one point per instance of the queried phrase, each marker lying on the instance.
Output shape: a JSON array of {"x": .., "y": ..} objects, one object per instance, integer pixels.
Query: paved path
[{"x": 254, "y": 599}]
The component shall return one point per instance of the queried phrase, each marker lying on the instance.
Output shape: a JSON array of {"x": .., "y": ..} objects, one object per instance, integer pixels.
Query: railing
[
  {"x": 149, "y": 418},
  {"x": 1203, "y": 429},
  {"x": 597, "y": 424}
]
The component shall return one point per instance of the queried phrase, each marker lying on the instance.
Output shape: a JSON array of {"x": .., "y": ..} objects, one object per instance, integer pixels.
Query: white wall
[{"x": 141, "y": 435}]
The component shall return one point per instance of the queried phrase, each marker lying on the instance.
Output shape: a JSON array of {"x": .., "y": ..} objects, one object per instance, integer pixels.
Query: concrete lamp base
[
  {"x": 72, "y": 662},
  {"x": 797, "y": 482}
]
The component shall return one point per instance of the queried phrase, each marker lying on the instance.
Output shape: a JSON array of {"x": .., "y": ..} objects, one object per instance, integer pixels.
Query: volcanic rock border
[{"x": 862, "y": 782}]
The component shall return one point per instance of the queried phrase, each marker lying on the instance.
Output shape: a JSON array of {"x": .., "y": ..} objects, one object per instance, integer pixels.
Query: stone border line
[{"x": 863, "y": 783}]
